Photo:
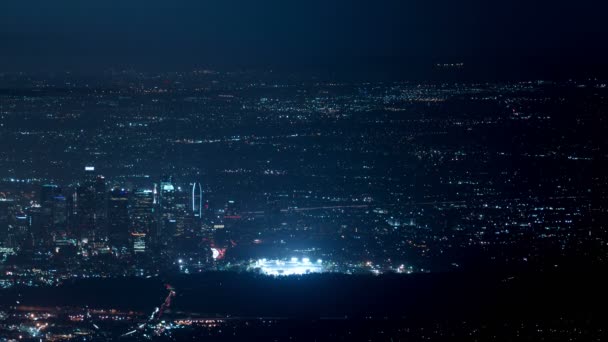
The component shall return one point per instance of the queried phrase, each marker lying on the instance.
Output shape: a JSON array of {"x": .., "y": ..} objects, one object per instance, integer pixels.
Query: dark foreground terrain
[{"x": 555, "y": 306}]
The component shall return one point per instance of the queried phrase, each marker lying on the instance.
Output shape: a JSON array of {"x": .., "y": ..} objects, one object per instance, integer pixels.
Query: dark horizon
[
  {"x": 510, "y": 39},
  {"x": 379, "y": 69}
]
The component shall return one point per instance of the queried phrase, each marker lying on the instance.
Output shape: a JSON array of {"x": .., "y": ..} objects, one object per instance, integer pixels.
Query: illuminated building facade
[
  {"x": 143, "y": 212},
  {"x": 167, "y": 211},
  {"x": 197, "y": 200}
]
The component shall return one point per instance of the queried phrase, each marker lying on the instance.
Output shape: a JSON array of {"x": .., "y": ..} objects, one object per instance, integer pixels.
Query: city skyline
[{"x": 391, "y": 170}]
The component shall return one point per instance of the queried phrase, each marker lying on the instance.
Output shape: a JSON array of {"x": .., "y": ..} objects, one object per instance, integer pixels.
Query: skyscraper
[
  {"x": 53, "y": 208},
  {"x": 60, "y": 212},
  {"x": 7, "y": 221},
  {"x": 118, "y": 217},
  {"x": 142, "y": 212},
  {"x": 50, "y": 211},
  {"x": 183, "y": 214},
  {"x": 91, "y": 206},
  {"x": 197, "y": 200},
  {"x": 47, "y": 193},
  {"x": 139, "y": 242},
  {"x": 167, "y": 206}
]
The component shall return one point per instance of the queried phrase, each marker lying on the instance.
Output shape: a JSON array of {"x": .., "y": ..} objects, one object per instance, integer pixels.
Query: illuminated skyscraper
[
  {"x": 139, "y": 242},
  {"x": 142, "y": 210},
  {"x": 197, "y": 200},
  {"x": 183, "y": 215},
  {"x": 174, "y": 210},
  {"x": 167, "y": 206}
]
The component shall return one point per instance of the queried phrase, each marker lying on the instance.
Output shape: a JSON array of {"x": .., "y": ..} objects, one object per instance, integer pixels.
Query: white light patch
[
  {"x": 286, "y": 268},
  {"x": 215, "y": 253}
]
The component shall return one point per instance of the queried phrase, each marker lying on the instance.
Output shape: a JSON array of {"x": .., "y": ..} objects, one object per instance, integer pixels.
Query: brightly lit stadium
[{"x": 293, "y": 266}]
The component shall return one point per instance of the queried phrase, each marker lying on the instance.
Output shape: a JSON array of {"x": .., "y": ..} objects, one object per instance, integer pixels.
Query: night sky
[{"x": 295, "y": 34}]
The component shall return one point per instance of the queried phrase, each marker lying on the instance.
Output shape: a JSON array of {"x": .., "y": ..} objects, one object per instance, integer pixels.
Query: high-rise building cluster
[{"x": 98, "y": 218}]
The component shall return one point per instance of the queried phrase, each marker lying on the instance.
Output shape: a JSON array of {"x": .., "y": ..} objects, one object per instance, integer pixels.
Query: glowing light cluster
[{"x": 293, "y": 266}]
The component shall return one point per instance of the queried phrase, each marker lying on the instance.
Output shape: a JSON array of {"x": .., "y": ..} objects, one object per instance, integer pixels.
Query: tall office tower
[
  {"x": 60, "y": 213},
  {"x": 90, "y": 175},
  {"x": 54, "y": 209},
  {"x": 19, "y": 236},
  {"x": 142, "y": 212},
  {"x": 47, "y": 193},
  {"x": 46, "y": 201},
  {"x": 71, "y": 204},
  {"x": 91, "y": 206},
  {"x": 167, "y": 212},
  {"x": 86, "y": 213},
  {"x": 197, "y": 200},
  {"x": 100, "y": 200},
  {"x": 139, "y": 242},
  {"x": 118, "y": 217},
  {"x": 36, "y": 224},
  {"x": 7, "y": 221},
  {"x": 183, "y": 214}
]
